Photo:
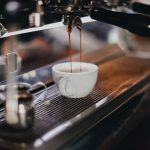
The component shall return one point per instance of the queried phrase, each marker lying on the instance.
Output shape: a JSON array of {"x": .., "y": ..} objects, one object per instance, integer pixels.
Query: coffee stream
[
  {"x": 80, "y": 50},
  {"x": 70, "y": 48}
]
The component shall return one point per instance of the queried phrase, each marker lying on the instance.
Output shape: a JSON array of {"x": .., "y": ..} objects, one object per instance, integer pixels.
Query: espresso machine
[
  {"x": 36, "y": 13},
  {"x": 120, "y": 100}
]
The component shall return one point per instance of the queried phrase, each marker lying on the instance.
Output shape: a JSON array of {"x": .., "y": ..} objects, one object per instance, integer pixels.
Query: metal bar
[{"x": 45, "y": 27}]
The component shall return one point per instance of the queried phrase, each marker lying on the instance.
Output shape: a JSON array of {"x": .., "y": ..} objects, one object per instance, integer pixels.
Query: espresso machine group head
[
  {"x": 128, "y": 14},
  {"x": 136, "y": 20}
]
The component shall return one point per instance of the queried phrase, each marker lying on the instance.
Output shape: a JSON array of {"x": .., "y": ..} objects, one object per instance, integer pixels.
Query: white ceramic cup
[{"x": 77, "y": 84}]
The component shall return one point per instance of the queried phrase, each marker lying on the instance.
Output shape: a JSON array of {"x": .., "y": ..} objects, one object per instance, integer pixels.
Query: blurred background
[{"x": 40, "y": 48}]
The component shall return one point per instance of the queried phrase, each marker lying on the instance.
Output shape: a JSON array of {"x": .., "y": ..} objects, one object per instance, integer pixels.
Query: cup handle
[{"x": 63, "y": 86}]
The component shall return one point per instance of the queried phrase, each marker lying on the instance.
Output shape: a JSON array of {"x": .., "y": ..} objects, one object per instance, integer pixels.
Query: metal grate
[{"x": 49, "y": 116}]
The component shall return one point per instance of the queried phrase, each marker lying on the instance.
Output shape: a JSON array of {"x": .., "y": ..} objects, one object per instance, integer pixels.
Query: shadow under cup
[{"x": 78, "y": 83}]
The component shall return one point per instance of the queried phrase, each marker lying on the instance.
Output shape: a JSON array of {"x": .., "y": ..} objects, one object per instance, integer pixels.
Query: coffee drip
[
  {"x": 69, "y": 30},
  {"x": 81, "y": 51},
  {"x": 70, "y": 47}
]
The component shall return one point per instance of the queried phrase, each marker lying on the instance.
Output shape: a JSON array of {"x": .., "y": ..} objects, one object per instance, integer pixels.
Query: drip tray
[
  {"x": 49, "y": 114},
  {"x": 53, "y": 116},
  {"x": 59, "y": 120}
]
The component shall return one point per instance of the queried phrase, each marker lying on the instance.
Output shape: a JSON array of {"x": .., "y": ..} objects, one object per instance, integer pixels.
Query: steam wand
[{"x": 11, "y": 98}]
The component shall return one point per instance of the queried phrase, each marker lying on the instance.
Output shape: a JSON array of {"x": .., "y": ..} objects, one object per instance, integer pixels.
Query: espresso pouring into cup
[{"x": 76, "y": 84}]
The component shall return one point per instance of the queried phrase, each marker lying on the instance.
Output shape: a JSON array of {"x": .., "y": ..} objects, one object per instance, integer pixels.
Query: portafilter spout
[{"x": 71, "y": 19}]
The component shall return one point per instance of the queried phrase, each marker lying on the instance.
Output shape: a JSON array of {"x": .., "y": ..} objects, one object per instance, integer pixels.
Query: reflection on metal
[
  {"x": 38, "y": 143},
  {"x": 56, "y": 131},
  {"x": 2, "y": 60},
  {"x": 11, "y": 99},
  {"x": 3, "y": 30},
  {"x": 86, "y": 113},
  {"x": 45, "y": 27},
  {"x": 68, "y": 124}
]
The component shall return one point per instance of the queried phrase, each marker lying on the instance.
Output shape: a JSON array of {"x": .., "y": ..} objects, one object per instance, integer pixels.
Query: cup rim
[{"x": 75, "y": 73}]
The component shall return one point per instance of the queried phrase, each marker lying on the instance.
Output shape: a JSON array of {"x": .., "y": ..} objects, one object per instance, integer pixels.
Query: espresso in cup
[
  {"x": 75, "y": 84},
  {"x": 75, "y": 70}
]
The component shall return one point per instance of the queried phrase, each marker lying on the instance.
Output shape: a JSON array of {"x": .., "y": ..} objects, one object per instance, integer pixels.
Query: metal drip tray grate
[
  {"x": 116, "y": 85},
  {"x": 49, "y": 115}
]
